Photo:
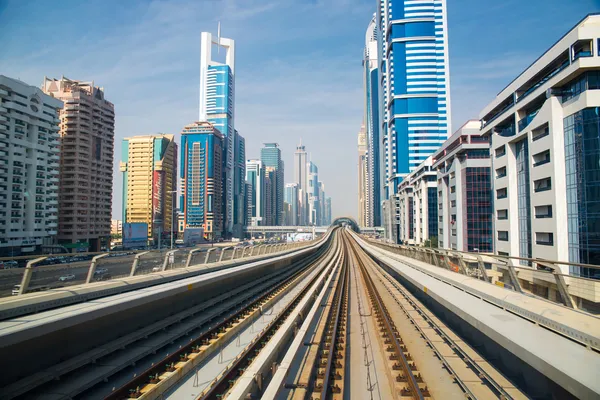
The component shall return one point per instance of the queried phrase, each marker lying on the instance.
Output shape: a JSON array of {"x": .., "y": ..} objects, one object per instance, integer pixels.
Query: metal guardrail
[
  {"x": 36, "y": 276},
  {"x": 546, "y": 279}
]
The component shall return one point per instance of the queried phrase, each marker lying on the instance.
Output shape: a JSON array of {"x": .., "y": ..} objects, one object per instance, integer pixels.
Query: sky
[{"x": 298, "y": 65}]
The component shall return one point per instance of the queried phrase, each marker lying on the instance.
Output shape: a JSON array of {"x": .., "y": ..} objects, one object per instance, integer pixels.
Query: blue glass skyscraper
[
  {"x": 217, "y": 98},
  {"x": 415, "y": 97},
  {"x": 373, "y": 179}
]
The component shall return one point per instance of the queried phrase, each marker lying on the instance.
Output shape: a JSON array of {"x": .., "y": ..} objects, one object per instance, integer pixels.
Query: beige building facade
[{"x": 87, "y": 130}]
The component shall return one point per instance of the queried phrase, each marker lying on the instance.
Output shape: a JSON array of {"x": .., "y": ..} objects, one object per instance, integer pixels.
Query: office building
[
  {"x": 544, "y": 132},
  {"x": 418, "y": 205},
  {"x": 270, "y": 213},
  {"x": 464, "y": 191},
  {"x": 321, "y": 221},
  {"x": 414, "y": 96},
  {"x": 255, "y": 176},
  {"x": 371, "y": 81},
  {"x": 116, "y": 227},
  {"x": 149, "y": 169},
  {"x": 291, "y": 198},
  {"x": 87, "y": 132},
  {"x": 29, "y": 167},
  {"x": 314, "y": 212},
  {"x": 328, "y": 216},
  {"x": 217, "y": 106},
  {"x": 270, "y": 155},
  {"x": 239, "y": 188},
  {"x": 201, "y": 179},
  {"x": 301, "y": 179},
  {"x": 362, "y": 177}
]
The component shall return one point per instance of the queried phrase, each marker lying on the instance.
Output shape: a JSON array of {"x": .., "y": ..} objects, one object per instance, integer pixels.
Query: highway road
[{"x": 110, "y": 268}]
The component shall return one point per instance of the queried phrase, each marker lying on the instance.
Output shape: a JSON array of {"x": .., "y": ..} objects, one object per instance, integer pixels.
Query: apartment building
[
  {"x": 87, "y": 132},
  {"x": 417, "y": 205},
  {"x": 545, "y": 145},
  {"x": 464, "y": 184},
  {"x": 29, "y": 167},
  {"x": 149, "y": 167}
]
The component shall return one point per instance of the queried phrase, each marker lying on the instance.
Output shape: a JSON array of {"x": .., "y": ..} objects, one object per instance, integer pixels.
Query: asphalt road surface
[{"x": 110, "y": 268}]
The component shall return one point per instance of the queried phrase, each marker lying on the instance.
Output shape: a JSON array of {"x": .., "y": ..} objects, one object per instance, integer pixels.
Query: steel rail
[
  {"x": 415, "y": 390},
  {"x": 226, "y": 380},
  {"x": 131, "y": 389},
  {"x": 481, "y": 373},
  {"x": 341, "y": 290}
]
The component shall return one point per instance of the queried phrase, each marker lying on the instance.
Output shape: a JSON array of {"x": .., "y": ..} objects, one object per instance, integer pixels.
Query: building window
[
  {"x": 503, "y": 236},
  {"x": 503, "y": 214},
  {"x": 453, "y": 203},
  {"x": 501, "y": 172},
  {"x": 544, "y": 238},
  {"x": 501, "y": 193},
  {"x": 541, "y": 158},
  {"x": 582, "y": 168},
  {"x": 477, "y": 229},
  {"x": 543, "y": 211},
  {"x": 452, "y": 189},
  {"x": 540, "y": 132},
  {"x": 523, "y": 199},
  {"x": 581, "y": 48},
  {"x": 432, "y": 211},
  {"x": 541, "y": 185},
  {"x": 501, "y": 151}
]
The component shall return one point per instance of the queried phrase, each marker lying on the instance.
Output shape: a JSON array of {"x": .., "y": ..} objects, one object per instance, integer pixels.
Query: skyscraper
[
  {"x": 328, "y": 216},
  {"x": 217, "y": 99},
  {"x": 29, "y": 166},
  {"x": 291, "y": 197},
  {"x": 415, "y": 96},
  {"x": 270, "y": 195},
  {"x": 149, "y": 167},
  {"x": 301, "y": 178},
  {"x": 270, "y": 155},
  {"x": 87, "y": 134},
  {"x": 362, "y": 177},
  {"x": 239, "y": 180},
  {"x": 372, "y": 128},
  {"x": 314, "y": 211},
  {"x": 255, "y": 176},
  {"x": 201, "y": 178}
]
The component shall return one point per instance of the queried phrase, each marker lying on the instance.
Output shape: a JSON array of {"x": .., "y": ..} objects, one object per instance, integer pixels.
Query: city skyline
[{"x": 121, "y": 72}]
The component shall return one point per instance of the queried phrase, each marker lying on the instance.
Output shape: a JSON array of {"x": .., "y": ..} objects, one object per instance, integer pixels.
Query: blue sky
[{"x": 298, "y": 64}]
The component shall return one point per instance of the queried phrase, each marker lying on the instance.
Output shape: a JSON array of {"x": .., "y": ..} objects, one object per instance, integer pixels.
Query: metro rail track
[
  {"x": 209, "y": 316},
  {"x": 150, "y": 378},
  {"x": 476, "y": 378},
  {"x": 309, "y": 337}
]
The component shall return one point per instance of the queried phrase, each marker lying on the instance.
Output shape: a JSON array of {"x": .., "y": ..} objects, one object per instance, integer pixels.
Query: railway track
[
  {"x": 221, "y": 387},
  {"x": 204, "y": 344},
  {"x": 475, "y": 377},
  {"x": 410, "y": 383}
]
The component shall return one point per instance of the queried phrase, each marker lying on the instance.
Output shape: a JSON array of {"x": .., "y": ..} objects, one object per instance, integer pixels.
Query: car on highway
[
  {"x": 9, "y": 264},
  {"x": 100, "y": 271},
  {"x": 156, "y": 269},
  {"x": 68, "y": 277}
]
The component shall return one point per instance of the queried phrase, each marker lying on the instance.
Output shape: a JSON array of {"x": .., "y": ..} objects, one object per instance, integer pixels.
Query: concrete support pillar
[
  {"x": 190, "y": 255},
  {"x": 233, "y": 254},
  {"x": 208, "y": 254},
  {"x": 27, "y": 274},
  {"x": 93, "y": 266},
  {"x": 481, "y": 266},
  {"x": 170, "y": 256},
  {"x": 136, "y": 261},
  {"x": 223, "y": 252},
  {"x": 510, "y": 265}
]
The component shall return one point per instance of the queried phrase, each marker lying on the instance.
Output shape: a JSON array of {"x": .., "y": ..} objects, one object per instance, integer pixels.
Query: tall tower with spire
[
  {"x": 301, "y": 179},
  {"x": 217, "y": 106}
]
